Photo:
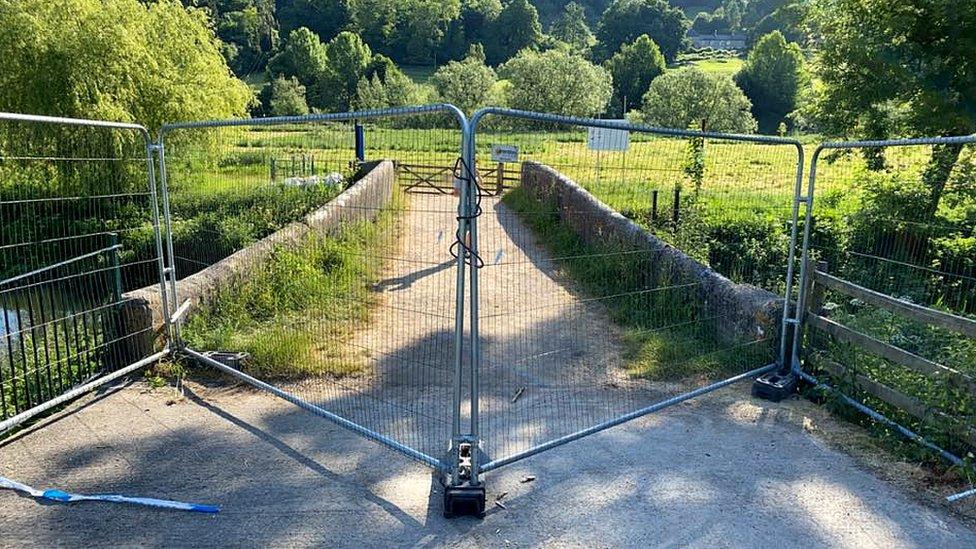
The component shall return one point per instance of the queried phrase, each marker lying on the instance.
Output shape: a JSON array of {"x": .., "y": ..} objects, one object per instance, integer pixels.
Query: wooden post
[
  {"x": 500, "y": 179},
  {"x": 815, "y": 300},
  {"x": 677, "y": 205},
  {"x": 654, "y": 205},
  {"x": 274, "y": 169}
]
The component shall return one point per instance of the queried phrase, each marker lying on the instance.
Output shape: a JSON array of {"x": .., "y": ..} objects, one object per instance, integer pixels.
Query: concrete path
[{"x": 724, "y": 470}]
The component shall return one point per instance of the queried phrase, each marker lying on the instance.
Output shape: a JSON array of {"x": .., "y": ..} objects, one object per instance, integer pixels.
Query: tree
[
  {"x": 558, "y": 82},
  {"x": 572, "y": 29},
  {"x": 466, "y": 84},
  {"x": 772, "y": 78},
  {"x": 911, "y": 64},
  {"x": 691, "y": 98},
  {"x": 711, "y": 23},
  {"x": 302, "y": 56},
  {"x": 64, "y": 59},
  {"x": 286, "y": 97},
  {"x": 250, "y": 32},
  {"x": 348, "y": 58},
  {"x": 625, "y": 20},
  {"x": 792, "y": 20},
  {"x": 633, "y": 68},
  {"x": 516, "y": 28},
  {"x": 384, "y": 85},
  {"x": 323, "y": 17},
  {"x": 420, "y": 28}
]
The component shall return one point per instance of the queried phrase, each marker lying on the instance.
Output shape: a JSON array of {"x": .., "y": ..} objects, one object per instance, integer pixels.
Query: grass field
[{"x": 419, "y": 73}]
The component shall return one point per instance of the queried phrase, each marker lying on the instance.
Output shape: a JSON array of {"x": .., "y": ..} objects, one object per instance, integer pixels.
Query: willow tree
[{"x": 116, "y": 60}]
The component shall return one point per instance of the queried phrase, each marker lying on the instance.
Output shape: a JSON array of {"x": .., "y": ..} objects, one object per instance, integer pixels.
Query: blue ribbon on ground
[{"x": 65, "y": 497}]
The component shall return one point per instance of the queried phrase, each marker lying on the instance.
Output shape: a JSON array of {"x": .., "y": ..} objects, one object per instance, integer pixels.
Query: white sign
[
  {"x": 605, "y": 139},
  {"x": 504, "y": 153}
]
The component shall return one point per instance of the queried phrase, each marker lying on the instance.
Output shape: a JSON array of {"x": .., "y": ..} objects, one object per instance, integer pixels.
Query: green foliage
[
  {"x": 294, "y": 313},
  {"x": 625, "y": 20},
  {"x": 115, "y": 60},
  {"x": 793, "y": 20},
  {"x": 516, "y": 28},
  {"x": 872, "y": 53},
  {"x": 323, "y": 17},
  {"x": 287, "y": 98},
  {"x": 388, "y": 87},
  {"x": 571, "y": 28},
  {"x": 248, "y": 29},
  {"x": 348, "y": 58},
  {"x": 633, "y": 68},
  {"x": 407, "y": 30},
  {"x": 690, "y": 98},
  {"x": 557, "y": 82},
  {"x": 772, "y": 79},
  {"x": 466, "y": 84},
  {"x": 303, "y": 57}
]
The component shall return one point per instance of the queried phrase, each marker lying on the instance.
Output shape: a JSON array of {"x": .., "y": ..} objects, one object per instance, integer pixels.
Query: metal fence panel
[
  {"x": 296, "y": 246},
  {"x": 631, "y": 268},
  {"x": 78, "y": 230},
  {"x": 890, "y": 291}
]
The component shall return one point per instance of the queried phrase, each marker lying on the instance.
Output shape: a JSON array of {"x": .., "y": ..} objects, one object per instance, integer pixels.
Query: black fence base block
[
  {"x": 774, "y": 386},
  {"x": 464, "y": 501}
]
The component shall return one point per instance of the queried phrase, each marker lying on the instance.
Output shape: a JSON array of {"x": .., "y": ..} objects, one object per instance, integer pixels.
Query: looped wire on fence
[{"x": 463, "y": 173}]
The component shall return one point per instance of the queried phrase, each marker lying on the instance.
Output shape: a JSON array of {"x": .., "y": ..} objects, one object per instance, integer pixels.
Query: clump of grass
[
  {"x": 295, "y": 313},
  {"x": 666, "y": 332}
]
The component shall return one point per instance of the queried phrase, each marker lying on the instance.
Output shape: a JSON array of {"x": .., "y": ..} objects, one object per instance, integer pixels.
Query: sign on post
[
  {"x": 606, "y": 139},
  {"x": 504, "y": 153}
]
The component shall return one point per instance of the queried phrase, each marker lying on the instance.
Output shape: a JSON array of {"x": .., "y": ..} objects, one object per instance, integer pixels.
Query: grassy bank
[
  {"x": 666, "y": 333},
  {"x": 295, "y": 314}
]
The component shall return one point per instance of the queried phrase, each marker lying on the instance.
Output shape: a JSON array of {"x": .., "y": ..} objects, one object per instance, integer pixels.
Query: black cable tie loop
[{"x": 462, "y": 172}]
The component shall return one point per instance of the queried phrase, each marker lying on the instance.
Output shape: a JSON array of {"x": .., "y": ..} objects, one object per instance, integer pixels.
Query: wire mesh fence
[
  {"x": 78, "y": 229},
  {"x": 316, "y": 272},
  {"x": 604, "y": 286},
  {"x": 891, "y": 304}
]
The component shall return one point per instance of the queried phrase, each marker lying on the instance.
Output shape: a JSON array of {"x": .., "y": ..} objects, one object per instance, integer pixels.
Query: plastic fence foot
[{"x": 774, "y": 386}]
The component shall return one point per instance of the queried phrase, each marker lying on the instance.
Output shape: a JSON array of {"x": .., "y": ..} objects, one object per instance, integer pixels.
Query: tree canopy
[
  {"x": 558, "y": 82},
  {"x": 69, "y": 62},
  {"x": 571, "y": 28},
  {"x": 633, "y": 68},
  {"x": 898, "y": 68},
  {"x": 691, "y": 98},
  {"x": 772, "y": 78},
  {"x": 625, "y": 20},
  {"x": 517, "y": 27},
  {"x": 466, "y": 84}
]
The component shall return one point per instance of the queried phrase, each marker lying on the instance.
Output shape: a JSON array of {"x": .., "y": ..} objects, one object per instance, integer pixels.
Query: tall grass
[{"x": 295, "y": 313}]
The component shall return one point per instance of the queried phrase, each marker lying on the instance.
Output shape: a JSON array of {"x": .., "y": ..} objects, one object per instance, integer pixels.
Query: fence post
[
  {"x": 274, "y": 169},
  {"x": 500, "y": 178},
  {"x": 360, "y": 143},
  {"x": 654, "y": 205},
  {"x": 677, "y": 205}
]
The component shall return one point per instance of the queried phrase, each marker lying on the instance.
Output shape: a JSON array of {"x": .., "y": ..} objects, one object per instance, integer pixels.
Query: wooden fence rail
[
  {"x": 816, "y": 319},
  {"x": 433, "y": 179}
]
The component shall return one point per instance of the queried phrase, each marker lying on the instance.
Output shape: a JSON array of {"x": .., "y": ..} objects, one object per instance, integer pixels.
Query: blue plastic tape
[{"x": 65, "y": 497}]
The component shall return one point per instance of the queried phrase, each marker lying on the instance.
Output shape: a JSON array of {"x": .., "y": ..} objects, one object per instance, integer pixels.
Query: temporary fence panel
[
  {"x": 311, "y": 272},
  {"x": 629, "y": 269},
  {"x": 78, "y": 230},
  {"x": 890, "y": 285}
]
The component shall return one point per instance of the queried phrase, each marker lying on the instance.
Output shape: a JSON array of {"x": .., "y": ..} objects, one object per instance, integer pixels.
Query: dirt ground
[{"x": 723, "y": 470}]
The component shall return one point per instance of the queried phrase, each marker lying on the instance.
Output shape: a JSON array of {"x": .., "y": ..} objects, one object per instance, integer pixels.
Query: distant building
[{"x": 719, "y": 41}]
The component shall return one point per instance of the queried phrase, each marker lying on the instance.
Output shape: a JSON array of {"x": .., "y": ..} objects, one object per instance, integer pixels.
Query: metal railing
[
  {"x": 887, "y": 302},
  {"x": 596, "y": 317},
  {"x": 79, "y": 228}
]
